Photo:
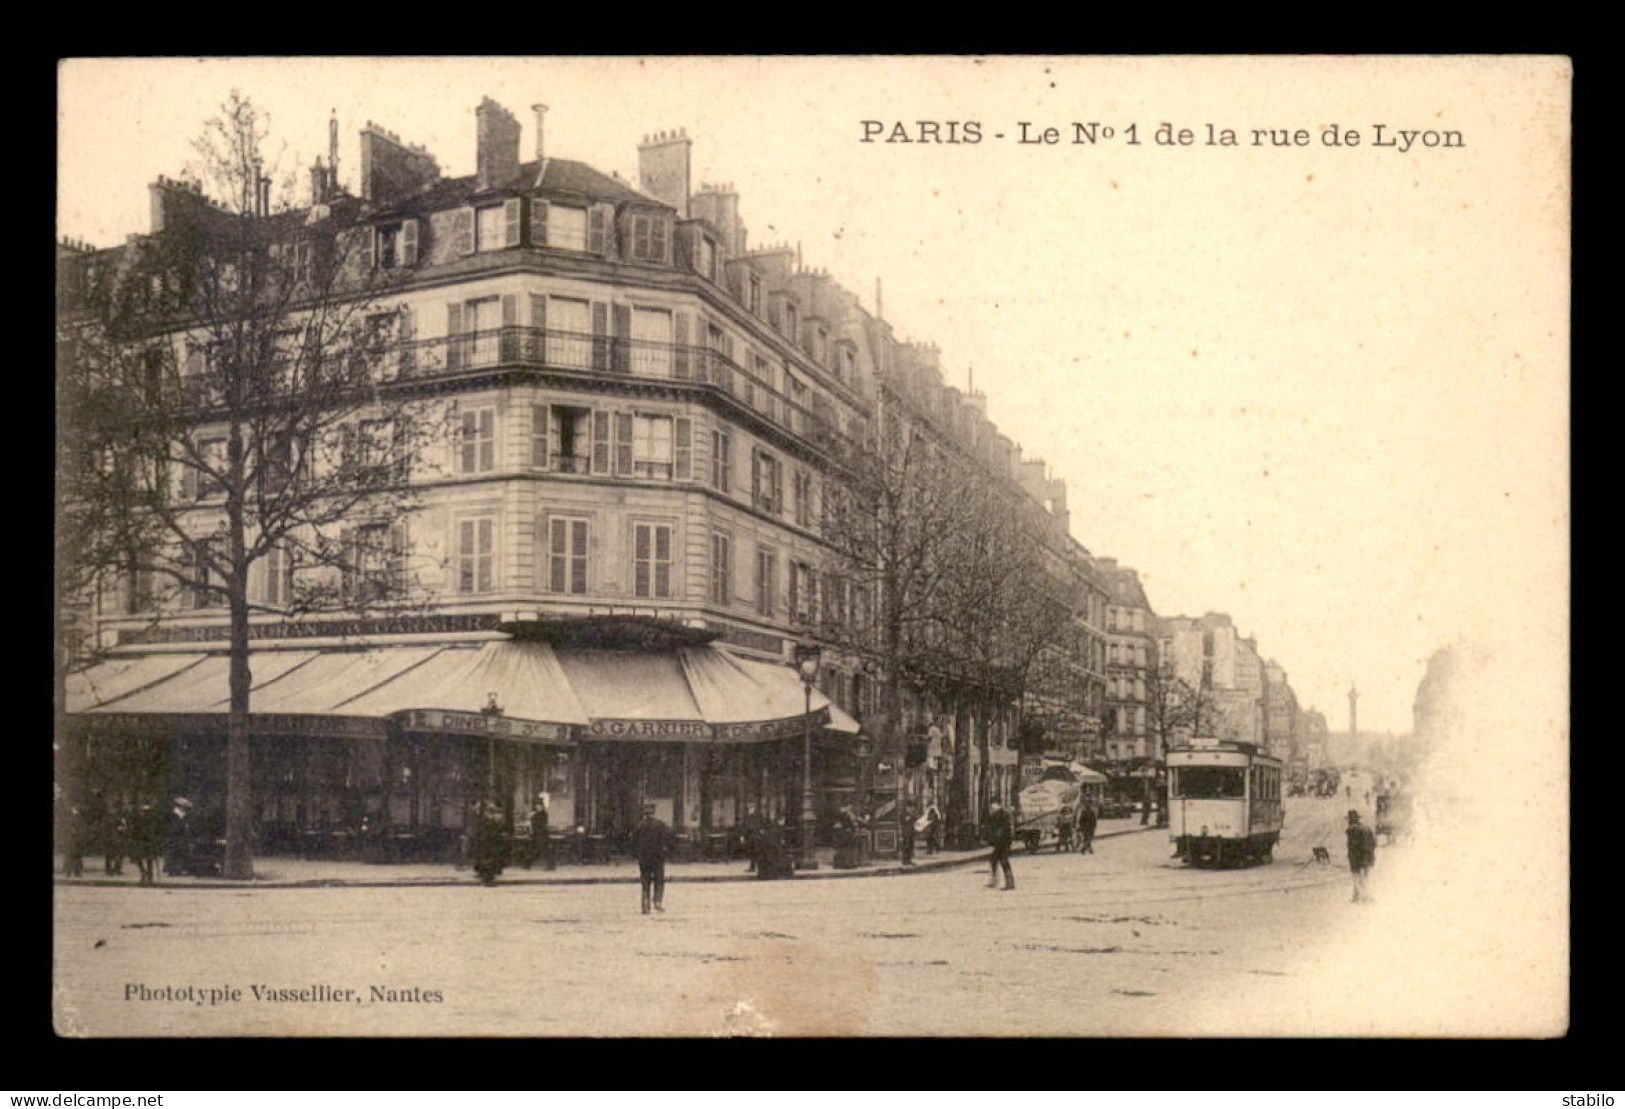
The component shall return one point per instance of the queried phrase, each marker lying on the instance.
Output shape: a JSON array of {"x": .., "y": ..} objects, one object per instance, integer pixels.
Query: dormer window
[
  {"x": 792, "y": 322},
  {"x": 566, "y": 227},
  {"x": 705, "y": 258},
  {"x": 647, "y": 242},
  {"x": 753, "y": 293},
  {"x": 397, "y": 244}
]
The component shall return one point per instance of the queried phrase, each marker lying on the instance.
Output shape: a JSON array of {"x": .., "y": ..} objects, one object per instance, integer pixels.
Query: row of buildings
[{"x": 661, "y": 444}]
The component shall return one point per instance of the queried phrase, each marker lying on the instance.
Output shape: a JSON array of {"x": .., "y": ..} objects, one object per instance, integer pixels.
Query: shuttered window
[
  {"x": 476, "y": 554},
  {"x": 651, "y": 560},
  {"x": 767, "y": 574},
  {"x": 721, "y": 568},
  {"x": 477, "y": 451},
  {"x": 721, "y": 460},
  {"x": 567, "y": 555}
]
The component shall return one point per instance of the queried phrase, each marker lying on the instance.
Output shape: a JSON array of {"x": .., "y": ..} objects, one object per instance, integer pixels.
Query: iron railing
[{"x": 539, "y": 348}]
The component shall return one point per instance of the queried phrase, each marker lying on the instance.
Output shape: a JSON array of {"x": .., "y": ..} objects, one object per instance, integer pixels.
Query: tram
[{"x": 1224, "y": 803}]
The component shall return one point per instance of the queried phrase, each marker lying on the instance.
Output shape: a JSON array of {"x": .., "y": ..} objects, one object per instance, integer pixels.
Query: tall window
[
  {"x": 753, "y": 293},
  {"x": 803, "y": 592},
  {"x": 767, "y": 579},
  {"x": 204, "y": 578},
  {"x": 277, "y": 585},
  {"x": 652, "y": 446},
  {"x": 212, "y": 465},
  {"x": 803, "y": 490},
  {"x": 721, "y": 460},
  {"x": 372, "y": 561},
  {"x": 569, "y": 333},
  {"x": 476, "y": 554},
  {"x": 651, "y": 560},
  {"x": 477, "y": 449},
  {"x": 651, "y": 342},
  {"x": 721, "y": 568},
  {"x": 566, "y": 555},
  {"x": 766, "y": 483},
  {"x": 705, "y": 258}
]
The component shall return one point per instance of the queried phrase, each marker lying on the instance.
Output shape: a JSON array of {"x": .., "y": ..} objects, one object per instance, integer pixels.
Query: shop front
[{"x": 383, "y": 752}]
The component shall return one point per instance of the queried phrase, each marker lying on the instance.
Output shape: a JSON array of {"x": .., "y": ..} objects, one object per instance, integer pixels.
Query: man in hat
[
  {"x": 541, "y": 846},
  {"x": 1362, "y": 845},
  {"x": 179, "y": 846},
  {"x": 651, "y": 842},
  {"x": 999, "y": 832}
]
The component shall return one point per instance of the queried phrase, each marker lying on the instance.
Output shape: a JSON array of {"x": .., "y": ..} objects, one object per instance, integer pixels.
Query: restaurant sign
[
  {"x": 612, "y": 728},
  {"x": 477, "y": 723}
]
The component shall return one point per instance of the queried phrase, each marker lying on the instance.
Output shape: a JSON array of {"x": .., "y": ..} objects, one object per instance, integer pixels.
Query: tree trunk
[{"x": 239, "y": 860}]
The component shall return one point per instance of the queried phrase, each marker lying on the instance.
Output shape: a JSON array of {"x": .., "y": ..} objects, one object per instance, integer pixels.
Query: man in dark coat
[
  {"x": 1087, "y": 820},
  {"x": 1362, "y": 845},
  {"x": 999, "y": 832},
  {"x": 905, "y": 825},
  {"x": 652, "y": 842},
  {"x": 756, "y": 830},
  {"x": 147, "y": 841},
  {"x": 541, "y": 846}
]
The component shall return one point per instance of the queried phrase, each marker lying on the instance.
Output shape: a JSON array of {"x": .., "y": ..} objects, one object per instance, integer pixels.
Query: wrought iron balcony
[{"x": 537, "y": 348}]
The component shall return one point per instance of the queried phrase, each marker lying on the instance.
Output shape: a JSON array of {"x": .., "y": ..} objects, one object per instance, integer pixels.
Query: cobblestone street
[{"x": 1124, "y": 942}]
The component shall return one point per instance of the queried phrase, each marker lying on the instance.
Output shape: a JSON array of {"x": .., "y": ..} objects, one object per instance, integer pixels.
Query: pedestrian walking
[
  {"x": 541, "y": 843},
  {"x": 1087, "y": 821},
  {"x": 180, "y": 837},
  {"x": 756, "y": 830},
  {"x": 848, "y": 846},
  {"x": 1145, "y": 811},
  {"x": 933, "y": 828},
  {"x": 1362, "y": 850},
  {"x": 1063, "y": 829},
  {"x": 773, "y": 856},
  {"x": 115, "y": 841},
  {"x": 999, "y": 832},
  {"x": 147, "y": 842},
  {"x": 488, "y": 843},
  {"x": 905, "y": 823},
  {"x": 651, "y": 842},
  {"x": 75, "y": 838}
]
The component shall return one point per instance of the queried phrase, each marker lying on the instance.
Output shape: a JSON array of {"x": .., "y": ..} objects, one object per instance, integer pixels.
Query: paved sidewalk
[{"x": 285, "y": 872}]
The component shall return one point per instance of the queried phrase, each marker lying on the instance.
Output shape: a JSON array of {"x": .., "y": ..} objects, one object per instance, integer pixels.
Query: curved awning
[{"x": 544, "y": 694}]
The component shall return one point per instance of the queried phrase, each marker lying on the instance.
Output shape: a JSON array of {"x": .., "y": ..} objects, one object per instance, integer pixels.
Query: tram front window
[{"x": 1208, "y": 783}]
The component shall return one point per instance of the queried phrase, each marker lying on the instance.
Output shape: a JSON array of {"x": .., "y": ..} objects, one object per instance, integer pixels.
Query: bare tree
[
  {"x": 232, "y": 411},
  {"x": 1174, "y": 707},
  {"x": 965, "y": 600}
]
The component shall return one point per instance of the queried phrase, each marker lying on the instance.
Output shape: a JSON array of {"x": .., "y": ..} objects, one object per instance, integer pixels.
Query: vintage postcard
[{"x": 849, "y": 546}]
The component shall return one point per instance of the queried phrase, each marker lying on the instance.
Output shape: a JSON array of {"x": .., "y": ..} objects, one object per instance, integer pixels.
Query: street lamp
[
  {"x": 491, "y": 710},
  {"x": 807, "y": 657}
]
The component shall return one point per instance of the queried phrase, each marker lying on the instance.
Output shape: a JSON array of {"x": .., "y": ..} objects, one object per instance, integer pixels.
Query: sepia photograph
[{"x": 851, "y": 546}]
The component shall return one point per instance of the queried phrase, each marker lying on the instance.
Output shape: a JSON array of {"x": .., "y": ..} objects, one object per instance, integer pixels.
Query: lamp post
[
  {"x": 807, "y": 657},
  {"x": 491, "y": 710}
]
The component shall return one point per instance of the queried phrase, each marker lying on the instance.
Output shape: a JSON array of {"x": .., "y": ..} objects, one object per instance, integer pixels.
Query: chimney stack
[
  {"x": 540, "y": 111},
  {"x": 332, "y": 155},
  {"x": 497, "y": 144},
  {"x": 663, "y": 168}
]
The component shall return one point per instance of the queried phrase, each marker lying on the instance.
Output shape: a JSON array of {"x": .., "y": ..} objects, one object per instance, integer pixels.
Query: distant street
[{"x": 1124, "y": 942}]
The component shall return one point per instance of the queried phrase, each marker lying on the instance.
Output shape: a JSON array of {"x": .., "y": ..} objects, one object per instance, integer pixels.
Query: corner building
[{"x": 617, "y": 550}]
